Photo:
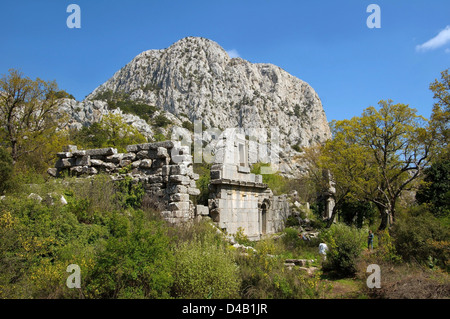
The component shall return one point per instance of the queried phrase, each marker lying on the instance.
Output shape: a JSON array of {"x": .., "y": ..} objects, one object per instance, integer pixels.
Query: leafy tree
[
  {"x": 435, "y": 189},
  {"x": 377, "y": 156},
  {"x": 440, "y": 117},
  {"x": 28, "y": 113}
]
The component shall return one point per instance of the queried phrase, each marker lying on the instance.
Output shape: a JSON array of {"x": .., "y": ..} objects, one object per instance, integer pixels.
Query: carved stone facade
[{"x": 239, "y": 198}]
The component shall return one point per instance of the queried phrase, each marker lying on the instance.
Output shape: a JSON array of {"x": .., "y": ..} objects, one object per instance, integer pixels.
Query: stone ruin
[
  {"x": 237, "y": 198},
  {"x": 164, "y": 168}
]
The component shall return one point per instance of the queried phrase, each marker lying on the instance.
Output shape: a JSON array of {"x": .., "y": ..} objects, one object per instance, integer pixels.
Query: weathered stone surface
[
  {"x": 83, "y": 161},
  {"x": 96, "y": 162},
  {"x": 64, "y": 154},
  {"x": 52, "y": 172},
  {"x": 202, "y": 210},
  {"x": 101, "y": 151},
  {"x": 177, "y": 159},
  {"x": 179, "y": 178},
  {"x": 172, "y": 189},
  {"x": 70, "y": 148},
  {"x": 146, "y": 163},
  {"x": 116, "y": 158},
  {"x": 79, "y": 153},
  {"x": 193, "y": 191},
  {"x": 179, "y": 206},
  {"x": 65, "y": 163},
  {"x": 178, "y": 197}
]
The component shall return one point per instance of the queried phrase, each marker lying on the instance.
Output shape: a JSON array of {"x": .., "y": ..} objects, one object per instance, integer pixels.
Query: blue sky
[{"x": 325, "y": 43}]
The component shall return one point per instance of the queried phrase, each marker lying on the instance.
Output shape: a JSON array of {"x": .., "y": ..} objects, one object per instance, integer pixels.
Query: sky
[{"x": 327, "y": 44}]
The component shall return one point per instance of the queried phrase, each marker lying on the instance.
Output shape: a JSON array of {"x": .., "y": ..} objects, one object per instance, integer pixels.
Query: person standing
[{"x": 370, "y": 240}]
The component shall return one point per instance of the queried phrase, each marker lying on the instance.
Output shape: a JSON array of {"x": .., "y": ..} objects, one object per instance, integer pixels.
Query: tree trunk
[{"x": 385, "y": 217}]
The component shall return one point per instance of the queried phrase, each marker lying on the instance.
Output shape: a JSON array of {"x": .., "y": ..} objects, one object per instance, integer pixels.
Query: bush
[
  {"x": 345, "y": 244},
  {"x": 205, "y": 270},
  {"x": 135, "y": 264},
  {"x": 421, "y": 237}
]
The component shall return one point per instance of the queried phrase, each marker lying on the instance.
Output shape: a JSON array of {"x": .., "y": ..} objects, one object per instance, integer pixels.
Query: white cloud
[
  {"x": 438, "y": 41},
  {"x": 233, "y": 53}
]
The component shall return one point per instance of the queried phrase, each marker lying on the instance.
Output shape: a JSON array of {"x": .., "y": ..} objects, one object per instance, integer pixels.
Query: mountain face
[{"x": 195, "y": 79}]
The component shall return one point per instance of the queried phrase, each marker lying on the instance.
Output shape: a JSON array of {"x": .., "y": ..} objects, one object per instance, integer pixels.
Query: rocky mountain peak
[{"x": 195, "y": 79}]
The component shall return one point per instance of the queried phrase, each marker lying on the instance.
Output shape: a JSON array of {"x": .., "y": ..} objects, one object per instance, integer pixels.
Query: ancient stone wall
[{"x": 164, "y": 168}]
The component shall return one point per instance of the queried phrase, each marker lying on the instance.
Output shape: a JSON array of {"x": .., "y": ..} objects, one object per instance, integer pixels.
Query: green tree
[
  {"x": 435, "y": 189},
  {"x": 379, "y": 155},
  {"x": 28, "y": 113},
  {"x": 440, "y": 117}
]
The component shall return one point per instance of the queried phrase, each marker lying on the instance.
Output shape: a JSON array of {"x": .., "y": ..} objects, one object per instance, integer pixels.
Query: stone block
[
  {"x": 202, "y": 210},
  {"x": 132, "y": 148},
  {"x": 193, "y": 191},
  {"x": 79, "y": 153},
  {"x": 142, "y": 154},
  {"x": 178, "y": 197},
  {"x": 178, "y": 170},
  {"x": 172, "y": 189},
  {"x": 146, "y": 163},
  {"x": 124, "y": 163},
  {"x": 65, "y": 163},
  {"x": 116, "y": 158},
  {"x": 178, "y": 178},
  {"x": 102, "y": 151},
  {"x": 52, "y": 172},
  {"x": 64, "y": 154},
  {"x": 179, "y": 206},
  {"x": 136, "y": 164},
  {"x": 83, "y": 161},
  {"x": 177, "y": 159},
  {"x": 70, "y": 148},
  {"x": 129, "y": 156},
  {"x": 155, "y": 179}
]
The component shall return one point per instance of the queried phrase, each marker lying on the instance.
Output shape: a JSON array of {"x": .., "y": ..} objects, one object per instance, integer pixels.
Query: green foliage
[
  {"x": 30, "y": 124},
  {"x": 188, "y": 125},
  {"x": 135, "y": 263},
  {"x": 130, "y": 193},
  {"x": 144, "y": 111},
  {"x": 111, "y": 131},
  {"x": 6, "y": 169},
  {"x": 242, "y": 239},
  {"x": 419, "y": 236},
  {"x": 435, "y": 189},
  {"x": 275, "y": 181},
  {"x": 345, "y": 244},
  {"x": 264, "y": 276},
  {"x": 204, "y": 171},
  {"x": 161, "y": 121},
  {"x": 357, "y": 212},
  {"x": 204, "y": 269}
]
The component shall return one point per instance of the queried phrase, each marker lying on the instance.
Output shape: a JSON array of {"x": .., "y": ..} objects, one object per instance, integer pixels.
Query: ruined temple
[{"x": 238, "y": 199}]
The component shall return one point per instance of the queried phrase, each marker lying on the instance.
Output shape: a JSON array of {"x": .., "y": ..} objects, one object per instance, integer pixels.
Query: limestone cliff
[{"x": 195, "y": 79}]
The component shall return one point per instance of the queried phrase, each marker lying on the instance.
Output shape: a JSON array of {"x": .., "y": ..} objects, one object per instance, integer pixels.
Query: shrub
[
  {"x": 205, "y": 270},
  {"x": 345, "y": 244},
  {"x": 135, "y": 264},
  {"x": 421, "y": 237}
]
